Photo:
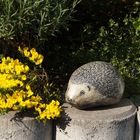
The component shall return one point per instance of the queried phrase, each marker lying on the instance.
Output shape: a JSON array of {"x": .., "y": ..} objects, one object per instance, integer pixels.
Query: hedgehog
[{"x": 94, "y": 84}]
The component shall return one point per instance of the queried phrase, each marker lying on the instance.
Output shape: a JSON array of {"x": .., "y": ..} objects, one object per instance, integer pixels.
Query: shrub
[{"x": 33, "y": 22}]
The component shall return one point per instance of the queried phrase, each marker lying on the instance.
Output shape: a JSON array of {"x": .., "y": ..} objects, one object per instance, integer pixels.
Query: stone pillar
[
  {"x": 137, "y": 103},
  {"x": 27, "y": 128},
  {"x": 138, "y": 126},
  {"x": 115, "y": 122}
]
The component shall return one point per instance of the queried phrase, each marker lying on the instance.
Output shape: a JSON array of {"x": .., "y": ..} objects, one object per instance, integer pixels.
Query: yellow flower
[
  {"x": 23, "y": 77},
  {"x": 42, "y": 105},
  {"x": 20, "y": 99},
  {"x": 10, "y": 101},
  {"x": 16, "y": 62},
  {"x": 38, "y": 110},
  {"x": 29, "y": 93},
  {"x": 49, "y": 111},
  {"x": 33, "y": 50},
  {"x": 15, "y": 107},
  {"x": 32, "y": 55},
  {"x": 36, "y": 98},
  {"x": 39, "y": 61},
  {"x": 2, "y": 102},
  {"x": 26, "y": 52},
  {"x": 28, "y": 87},
  {"x": 19, "y": 49},
  {"x": 22, "y": 104},
  {"x": 28, "y": 104},
  {"x": 26, "y": 68},
  {"x": 25, "y": 49}
]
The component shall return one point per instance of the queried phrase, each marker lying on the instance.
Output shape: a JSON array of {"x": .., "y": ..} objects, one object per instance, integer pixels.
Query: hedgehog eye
[
  {"x": 82, "y": 92},
  {"x": 88, "y": 88}
]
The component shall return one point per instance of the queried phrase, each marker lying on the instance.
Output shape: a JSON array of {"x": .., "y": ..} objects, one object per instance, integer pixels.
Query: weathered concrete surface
[
  {"x": 116, "y": 122},
  {"x": 137, "y": 103},
  {"x": 23, "y": 129}
]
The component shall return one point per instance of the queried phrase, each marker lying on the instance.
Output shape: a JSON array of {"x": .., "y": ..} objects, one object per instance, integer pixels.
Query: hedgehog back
[{"x": 102, "y": 75}]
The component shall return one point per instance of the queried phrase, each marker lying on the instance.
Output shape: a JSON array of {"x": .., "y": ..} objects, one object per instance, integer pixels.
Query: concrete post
[
  {"x": 115, "y": 122},
  {"x": 27, "y": 128},
  {"x": 137, "y": 103}
]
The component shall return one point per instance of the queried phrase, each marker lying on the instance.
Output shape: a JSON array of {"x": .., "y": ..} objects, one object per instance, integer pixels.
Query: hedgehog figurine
[{"x": 94, "y": 84}]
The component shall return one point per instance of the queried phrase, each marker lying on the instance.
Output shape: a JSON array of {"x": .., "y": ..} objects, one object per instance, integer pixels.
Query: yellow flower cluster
[
  {"x": 11, "y": 66},
  {"x": 16, "y": 91},
  {"x": 49, "y": 111},
  {"x": 7, "y": 81},
  {"x": 19, "y": 99},
  {"x": 32, "y": 54},
  {"x": 26, "y": 99},
  {"x": 12, "y": 73}
]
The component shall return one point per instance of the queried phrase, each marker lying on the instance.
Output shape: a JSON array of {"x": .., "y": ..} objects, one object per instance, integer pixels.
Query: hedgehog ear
[{"x": 88, "y": 88}]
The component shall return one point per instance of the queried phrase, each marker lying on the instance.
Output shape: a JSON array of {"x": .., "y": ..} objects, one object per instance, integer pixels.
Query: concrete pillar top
[{"x": 118, "y": 111}]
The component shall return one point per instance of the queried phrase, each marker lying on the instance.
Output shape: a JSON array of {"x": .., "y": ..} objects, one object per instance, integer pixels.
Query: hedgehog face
[{"x": 81, "y": 95}]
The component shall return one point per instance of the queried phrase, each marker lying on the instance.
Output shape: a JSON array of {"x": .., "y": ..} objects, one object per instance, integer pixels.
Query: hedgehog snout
[{"x": 68, "y": 99}]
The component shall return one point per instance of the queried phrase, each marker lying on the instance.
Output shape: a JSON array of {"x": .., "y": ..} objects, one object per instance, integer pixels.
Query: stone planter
[
  {"x": 115, "y": 122},
  {"x": 26, "y": 128}
]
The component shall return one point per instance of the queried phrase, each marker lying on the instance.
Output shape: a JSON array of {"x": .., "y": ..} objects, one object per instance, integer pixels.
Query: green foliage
[
  {"x": 33, "y": 22},
  {"x": 120, "y": 45}
]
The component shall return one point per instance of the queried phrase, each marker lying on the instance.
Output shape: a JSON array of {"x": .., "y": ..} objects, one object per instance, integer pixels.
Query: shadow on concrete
[
  {"x": 137, "y": 129},
  {"x": 26, "y": 122},
  {"x": 61, "y": 123}
]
